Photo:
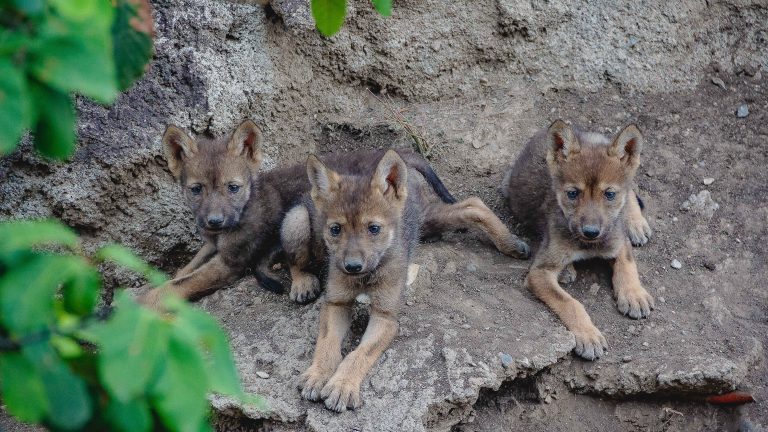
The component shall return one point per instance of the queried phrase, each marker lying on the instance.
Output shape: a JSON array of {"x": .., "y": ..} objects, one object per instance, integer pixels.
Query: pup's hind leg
[
  {"x": 296, "y": 238},
  {"x": 473, "y": 213},
  {"x": 637, "y": 227}
]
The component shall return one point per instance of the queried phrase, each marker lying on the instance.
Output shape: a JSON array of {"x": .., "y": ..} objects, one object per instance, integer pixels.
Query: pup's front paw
[
  {"x": 635, "y": 302},
  {"x": 341, "y": 393},
  {"x": 590, "y": 343},
  {"x": 639, "y": 231},
  {"x": 312, "y": 382},
  {"x": 305, "y": 288}
]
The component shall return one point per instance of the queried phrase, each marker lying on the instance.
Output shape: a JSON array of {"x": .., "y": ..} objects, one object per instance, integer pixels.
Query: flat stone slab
[{"x": 458, "y": 330}]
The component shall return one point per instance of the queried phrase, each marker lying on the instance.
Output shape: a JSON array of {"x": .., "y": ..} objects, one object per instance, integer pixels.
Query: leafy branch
[{"x": 67, "y": 368}]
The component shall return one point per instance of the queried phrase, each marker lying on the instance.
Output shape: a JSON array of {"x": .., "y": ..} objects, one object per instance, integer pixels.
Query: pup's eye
[
  {"x": 572, "y": 194},
  {"x": 233, "y": 188},
  {"x": 374, "y": 229},
  {"x": 196, "y": 189},
  {"x": 610, "y": 195},
  {"x": 335, "y": 230}
]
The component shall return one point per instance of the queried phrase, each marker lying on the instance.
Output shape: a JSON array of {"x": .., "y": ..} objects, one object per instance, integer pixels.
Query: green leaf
[
  {"x": 124, "y": 257},
  {"x": 27, "y": 292},
  {"x": 383, "y": 7},
  {"x": 222, "y": 373},
  {"x": 15, "y": 110},
  {"x": 133, "y": 416},
  {"x": 27, "y": 234},
  {"x": 80, "y": 63},
  {"x": 68, "y": 399},
  {"x": 81, "y": 292},
  {"x": 132, "y": 343},
  {"x": 180, "y": 394},
  {"x": 55, "y": 129},
  {"x": 132, "y": 39},
  {"x": 66, "y": 346},
  {"x": 23, "y": 392},
  {"x": 329, "y": 15},
  {"x": 76, "y": 10},
  {"x": 30, "y": 7}
]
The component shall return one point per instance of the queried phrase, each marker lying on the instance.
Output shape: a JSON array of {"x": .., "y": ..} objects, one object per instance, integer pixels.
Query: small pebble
[
  {"x": 409, "y": 303},
  {"x": 708, "y": 181},
  {"x": 471, "y": 267},
  {"x": 718, "y": 82},
  {"x": 506, "y": 359},
  {"x": 548, "y": 399},
  {"x": 594, "y": 288},
  {"x": 262, "y": 374},
  {"x": 677, "y": 265},
  {"x": 661, "y": 300},
  {"x": 674, "y": 219},
  {"x": 626, "y": 359},
  {"x": 645, "y": 344},
  {"x": 743, "y": 111},
  {"x": 466, "y": 326}
]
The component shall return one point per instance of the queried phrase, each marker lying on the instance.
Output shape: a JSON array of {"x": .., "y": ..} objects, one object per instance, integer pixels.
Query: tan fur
[
  {"x": 344, "y": 207},
  {"x": 576, "y": 191}
]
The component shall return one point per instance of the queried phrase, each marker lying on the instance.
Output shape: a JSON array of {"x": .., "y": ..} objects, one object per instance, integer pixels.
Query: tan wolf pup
[
  {"x": 369, "y": 224},
  {"x": 576, "y": 191}
]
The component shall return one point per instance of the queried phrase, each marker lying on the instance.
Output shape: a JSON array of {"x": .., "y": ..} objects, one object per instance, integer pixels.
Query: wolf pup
[
  {"x": 237, "y": 209},
  {"x": 369, "y": 225},
  {"x": 576, "y": 190}
]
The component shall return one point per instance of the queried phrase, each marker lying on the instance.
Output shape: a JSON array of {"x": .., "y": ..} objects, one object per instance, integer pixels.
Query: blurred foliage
[
  {"x": 50, "y": 49},
  {"x": 329, "y": 14},
  {"x": 65, "y": 366}
]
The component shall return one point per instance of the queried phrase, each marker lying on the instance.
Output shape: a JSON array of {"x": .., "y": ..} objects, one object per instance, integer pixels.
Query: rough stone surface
[
  {"x": 431, "y": 375},
  {"x": 476, "y": 79}
]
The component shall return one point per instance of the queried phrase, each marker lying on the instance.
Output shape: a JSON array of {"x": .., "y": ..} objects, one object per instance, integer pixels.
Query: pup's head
[
  {"x": 217, "y": 176},
  {"x": 359, "y": 216},
  {"x": 592, "y": 177}
]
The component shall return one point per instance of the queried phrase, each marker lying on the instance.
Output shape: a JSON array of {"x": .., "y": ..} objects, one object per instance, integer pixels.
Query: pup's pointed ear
[
  {"x": 562, "y": 142},
  {"x": 177, "y": 146},
  {"x": 627, "y": 146},
  {"x": 324, "y": 180},
  {"x": 391, "y": 177},
  {"x": 246, "y": 142}
]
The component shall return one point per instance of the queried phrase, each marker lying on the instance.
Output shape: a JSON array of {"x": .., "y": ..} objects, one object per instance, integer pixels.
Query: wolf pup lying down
[
  {"x": 238, "y": 210},
  {"x": 369, "y": 219},
  {"x": 576, "y": 190}
]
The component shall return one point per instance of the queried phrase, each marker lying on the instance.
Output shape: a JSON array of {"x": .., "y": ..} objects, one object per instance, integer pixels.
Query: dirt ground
[{"x": 714, "y": 307}]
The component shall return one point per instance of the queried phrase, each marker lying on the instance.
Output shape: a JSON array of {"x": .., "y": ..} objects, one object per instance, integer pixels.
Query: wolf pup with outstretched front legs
[
  {"x": 576, "y": 191},
  {"x": 369, "y": 224}
]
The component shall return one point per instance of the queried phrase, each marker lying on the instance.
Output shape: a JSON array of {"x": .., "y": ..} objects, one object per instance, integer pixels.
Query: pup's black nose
[
  {"x": 353, "y": 266},
  {"x": 590, "y": 231},
  {"x": 215, "y": 221}
]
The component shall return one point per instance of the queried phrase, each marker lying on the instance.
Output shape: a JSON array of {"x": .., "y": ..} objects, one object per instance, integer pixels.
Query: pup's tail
[
  {"x": 422, "y": 166},
  {"x": 268, "y": 283}
]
